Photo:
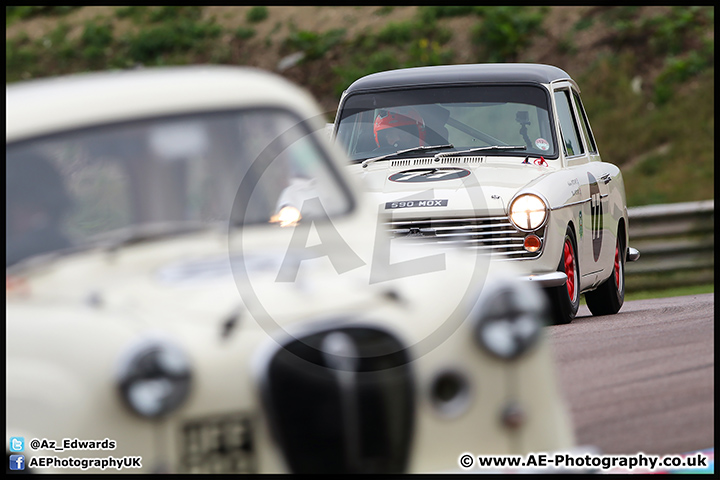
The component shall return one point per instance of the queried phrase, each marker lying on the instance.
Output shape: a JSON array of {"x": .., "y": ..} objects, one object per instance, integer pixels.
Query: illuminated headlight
[
  {"x": 288, "y": 216},
  {"x": 154, "y": 378},
  {"x": 511, "y": 320},
  {"x": 528, "y": 212}
]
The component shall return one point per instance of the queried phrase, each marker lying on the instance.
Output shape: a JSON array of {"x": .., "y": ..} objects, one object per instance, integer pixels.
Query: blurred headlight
[
  {"x": 287, "y": 217},
  {"x": 528, "y": 212},
  {"x": 155, "y": 378},
  {"x": 510, "y": 323}
]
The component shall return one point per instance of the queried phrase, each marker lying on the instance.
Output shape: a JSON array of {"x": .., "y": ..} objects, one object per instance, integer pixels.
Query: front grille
[
  {"x": 494, "y": 235},
  {"x": 344, "y": 413},
  {"x": 218, "y": 444}
]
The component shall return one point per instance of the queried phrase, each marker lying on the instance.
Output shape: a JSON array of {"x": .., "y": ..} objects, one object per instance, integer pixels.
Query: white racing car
[
  {"x": 499, "y": 158},
  {"x": 194, "y": 285}
]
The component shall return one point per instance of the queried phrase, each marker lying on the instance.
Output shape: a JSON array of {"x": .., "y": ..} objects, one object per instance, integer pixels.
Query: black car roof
[{"x": 455, "y": 74}]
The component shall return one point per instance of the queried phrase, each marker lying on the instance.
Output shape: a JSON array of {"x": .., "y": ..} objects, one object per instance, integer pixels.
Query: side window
[
  {"x": 568, "y": 127},
  {"x": 585, "y": 124}
]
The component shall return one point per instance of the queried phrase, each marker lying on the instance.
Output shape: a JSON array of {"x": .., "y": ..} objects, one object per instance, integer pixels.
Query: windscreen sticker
[
  {"x": 416, "y": 203},
  {"x": 542, "y": 144}
]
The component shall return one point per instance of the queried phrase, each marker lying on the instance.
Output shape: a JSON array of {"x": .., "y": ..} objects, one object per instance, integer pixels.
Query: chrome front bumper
[{"x": 546, "y": 280}]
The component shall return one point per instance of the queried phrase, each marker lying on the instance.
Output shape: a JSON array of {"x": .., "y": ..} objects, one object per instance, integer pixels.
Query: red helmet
[{"x": 409, "y": 118}]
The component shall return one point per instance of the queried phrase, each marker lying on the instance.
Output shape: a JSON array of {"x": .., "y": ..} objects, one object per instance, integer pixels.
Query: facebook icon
[{"x": 17, "y": 462}]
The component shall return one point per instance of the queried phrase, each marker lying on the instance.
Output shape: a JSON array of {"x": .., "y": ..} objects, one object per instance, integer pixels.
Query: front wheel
[
  {"x": 608, "y": 298},
  {"x": 565, "y": 299}
]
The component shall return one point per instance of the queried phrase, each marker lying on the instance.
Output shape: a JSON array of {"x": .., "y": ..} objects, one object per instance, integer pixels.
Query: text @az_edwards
[{"x": 72, "y": 444}]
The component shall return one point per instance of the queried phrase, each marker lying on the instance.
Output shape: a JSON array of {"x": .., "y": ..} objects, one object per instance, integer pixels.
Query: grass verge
[
  {"x": 667, "y": 292},
  {"x": 672, "y": 292}
]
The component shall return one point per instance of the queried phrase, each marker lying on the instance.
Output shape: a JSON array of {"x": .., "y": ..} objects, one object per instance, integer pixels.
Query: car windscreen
[
  {"x": 172, "y": 174},
  {"x": 465, "y": 116}
]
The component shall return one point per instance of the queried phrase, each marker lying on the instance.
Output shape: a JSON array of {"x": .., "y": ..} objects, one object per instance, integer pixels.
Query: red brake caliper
[{"x": 569, "y": 269}]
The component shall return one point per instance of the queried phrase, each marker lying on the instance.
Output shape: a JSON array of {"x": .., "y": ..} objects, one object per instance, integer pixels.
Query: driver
[
  {"x": 36, "y": 202},
  {"x": 399, "y": 129}
]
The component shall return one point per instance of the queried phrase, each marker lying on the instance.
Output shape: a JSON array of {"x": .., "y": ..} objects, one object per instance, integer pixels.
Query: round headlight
[
  {"x": 528, "y": 212},
  {"x": 512, "y": 320},
  {"x": 155, "y": 378},
  {"x": 288, "y": 216}
]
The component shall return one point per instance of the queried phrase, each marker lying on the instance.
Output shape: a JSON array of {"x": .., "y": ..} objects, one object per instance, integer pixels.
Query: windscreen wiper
[
  {"x": 367, "y": 162},
  {"x": 41, "y": 258},
  {"x": 111, "y": 241},
  {"x": 480, "y": 149},
  {"x": 149, "y": 232}
]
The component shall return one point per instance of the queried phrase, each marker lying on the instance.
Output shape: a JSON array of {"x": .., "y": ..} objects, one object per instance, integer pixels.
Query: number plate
[
  {"x": 218, "y": 444},
  {"x": 416, "y": 203}
]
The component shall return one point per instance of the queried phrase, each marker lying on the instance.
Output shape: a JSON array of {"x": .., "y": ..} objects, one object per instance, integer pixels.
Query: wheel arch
[
  {"x": 622, "y": 228},
  {"x": 571, "y": 226}
]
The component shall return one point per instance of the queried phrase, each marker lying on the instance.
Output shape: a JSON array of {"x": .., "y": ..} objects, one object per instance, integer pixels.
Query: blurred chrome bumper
[{"x": 554, "y": 279}]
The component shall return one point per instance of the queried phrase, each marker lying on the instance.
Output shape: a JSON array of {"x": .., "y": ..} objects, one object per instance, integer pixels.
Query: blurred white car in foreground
[{"x": 192, "y": 276}]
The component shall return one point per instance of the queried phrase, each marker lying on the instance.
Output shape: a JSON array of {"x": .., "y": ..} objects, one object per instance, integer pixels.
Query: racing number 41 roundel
[
  {"x": 596, "y": 216},
  {"x": 429, "y": 175}
]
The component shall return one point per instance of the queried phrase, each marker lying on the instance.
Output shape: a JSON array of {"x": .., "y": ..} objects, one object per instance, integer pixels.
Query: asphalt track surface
[{"x": 641, "y": 380}]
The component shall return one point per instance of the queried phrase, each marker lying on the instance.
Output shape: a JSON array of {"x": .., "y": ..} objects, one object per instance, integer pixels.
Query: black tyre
[
  {"x": 608, "y": 298},
  {"x": 565, "y": 299}
]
